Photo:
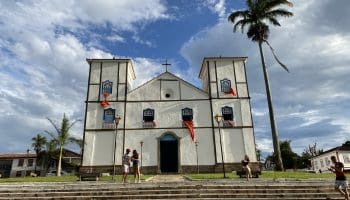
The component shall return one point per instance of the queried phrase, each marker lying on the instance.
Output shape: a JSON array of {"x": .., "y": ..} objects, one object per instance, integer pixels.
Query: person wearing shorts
[
  {"x": 341, "y": 183},
  {"x": 246, "y": 168},
  {"x": 136, "y": 165},
  {"x": 126, "y": 165}
]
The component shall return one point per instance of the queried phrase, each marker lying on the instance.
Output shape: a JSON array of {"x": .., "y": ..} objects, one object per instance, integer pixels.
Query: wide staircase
[{"x": 228, "y": 189}]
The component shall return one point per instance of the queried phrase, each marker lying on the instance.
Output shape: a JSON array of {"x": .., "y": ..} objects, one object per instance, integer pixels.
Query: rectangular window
[
  {"x": 227, "y": 113},
  {"x": 187, "y": 114},
  {"x": 225, "y": 85},
  {"x": 321, "y": 161},
  {"x": 107, "y": 87},
  {"x": 30, "y": 162},
  {"x": 20, "y": 162},
  {"x": 346, "y": 158},
  {"x": 109, "y": 115},
  {"x": 148, "y": 115}
]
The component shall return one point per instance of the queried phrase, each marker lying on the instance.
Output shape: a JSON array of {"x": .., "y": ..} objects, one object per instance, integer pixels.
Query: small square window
[
  {"x": 187, "y": 114},
  {"x": 109, "y": 115},
  {"x": 148, "y": 115},
  {"x": 227, "y": 113},
  {"x": 225, "y": 85},
  {"x": 107, "y": 87}
]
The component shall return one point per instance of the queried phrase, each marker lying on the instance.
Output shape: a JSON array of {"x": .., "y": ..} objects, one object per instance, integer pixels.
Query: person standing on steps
[
  {"x": 341, "y": 183},
  {"x": 246, "y": 168},
  {"x": 126, "y": 165},
  {"x": 136, "y": 165}
]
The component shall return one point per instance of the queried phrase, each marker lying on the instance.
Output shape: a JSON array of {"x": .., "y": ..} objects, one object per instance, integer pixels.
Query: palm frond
[
  {"x": 275, "y": 56},
  {"x": 53, "y": 136},
  {"x": 238, "y": 14},
  {"x": 72, "y": 124},
  {"x": 240, "y": 24},
  {"x": 279, "y": 12},
  {"x": 54, "y": 125},
  {"x": 274, "y": 3},
  {"x": 274, "y": 21}
]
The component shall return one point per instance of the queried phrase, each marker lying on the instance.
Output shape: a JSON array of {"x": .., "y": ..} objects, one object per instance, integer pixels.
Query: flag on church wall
[
  {"x": 189, "y": 125},
  {"x": 231, "y": 91}
]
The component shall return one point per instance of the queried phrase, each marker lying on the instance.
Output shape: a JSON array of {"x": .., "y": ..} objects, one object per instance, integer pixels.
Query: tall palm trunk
[
  {"x": 274, "y": 130},
  {"x": 59, "y": 162}
]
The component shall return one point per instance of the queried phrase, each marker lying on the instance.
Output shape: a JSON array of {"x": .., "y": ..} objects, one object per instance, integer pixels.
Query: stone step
[
  {"x": 191, "y": 196},
  {"x": 162, "y": 191},
  {"x": 167, "y": 193},
  {"x": 163, "y": 186}
]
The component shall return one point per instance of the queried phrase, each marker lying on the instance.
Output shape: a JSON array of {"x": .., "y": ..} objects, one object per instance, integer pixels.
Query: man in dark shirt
[{"x": 341, "y": 183}]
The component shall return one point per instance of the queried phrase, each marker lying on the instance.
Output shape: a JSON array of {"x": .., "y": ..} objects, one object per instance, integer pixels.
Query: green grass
[
  {"x": 230, "y": 175},
  {"x": 296, "y": 175},
  {"x": 71, "y": 178},
  {"x": 266, "y": 174}
]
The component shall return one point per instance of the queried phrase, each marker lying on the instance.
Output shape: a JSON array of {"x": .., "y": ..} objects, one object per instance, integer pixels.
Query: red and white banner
[
  {"x": 189, "y": 125},
  {"x": 231, "y": 91}
]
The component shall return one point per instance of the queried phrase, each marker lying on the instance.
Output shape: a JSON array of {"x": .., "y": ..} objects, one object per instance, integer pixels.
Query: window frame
[
  {"x": 106, "y": 87},
  {"x": 150, "y": 113},
  {"x": 225, "y": 113},
  {"x": 225, "y": 85},
  {"x": 187, "y": 116},
  {"x": 107, "y": 119}
]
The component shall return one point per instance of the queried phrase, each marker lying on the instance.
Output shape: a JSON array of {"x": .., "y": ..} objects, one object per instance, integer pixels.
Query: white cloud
[
  {"x": 43, "y": 72},
  {"x": 115, "y": 38},
  {"x": 318, "y": 62},
  {"x": 217, "y": 6}
]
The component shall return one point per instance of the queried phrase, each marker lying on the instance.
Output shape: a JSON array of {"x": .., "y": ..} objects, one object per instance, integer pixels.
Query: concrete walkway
[{"x": 167, "y": 178}]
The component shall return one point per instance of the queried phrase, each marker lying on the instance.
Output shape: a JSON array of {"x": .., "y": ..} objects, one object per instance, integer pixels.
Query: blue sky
[{"x": 44, "y": 44}]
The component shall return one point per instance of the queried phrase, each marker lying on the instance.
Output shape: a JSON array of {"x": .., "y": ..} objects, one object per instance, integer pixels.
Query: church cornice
[
  {"x": 167, "y": 128},
  {"x": 178, "y": 100}
]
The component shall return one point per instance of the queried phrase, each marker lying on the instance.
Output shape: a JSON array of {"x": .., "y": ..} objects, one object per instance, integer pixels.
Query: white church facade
[{"x": 169, "y": 121}]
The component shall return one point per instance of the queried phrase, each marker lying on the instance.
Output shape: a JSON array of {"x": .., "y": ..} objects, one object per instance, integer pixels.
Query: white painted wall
[
  {"x": 323, "y": 162},
  {"x": 168, "y": 114}
]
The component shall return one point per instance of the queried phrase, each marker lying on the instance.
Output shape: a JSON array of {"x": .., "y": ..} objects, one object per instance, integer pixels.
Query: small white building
[
  {"x": 323, "y": 161},
  {"x": 17, "y": 165},
  {"x": 164, "y": 117}
]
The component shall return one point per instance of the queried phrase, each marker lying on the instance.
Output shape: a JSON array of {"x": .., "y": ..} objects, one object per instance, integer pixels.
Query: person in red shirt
[{"x": 341, "y": 183}]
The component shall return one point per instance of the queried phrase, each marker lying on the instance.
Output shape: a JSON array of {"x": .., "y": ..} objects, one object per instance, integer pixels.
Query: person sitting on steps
[{"x": 246, "y": 168}]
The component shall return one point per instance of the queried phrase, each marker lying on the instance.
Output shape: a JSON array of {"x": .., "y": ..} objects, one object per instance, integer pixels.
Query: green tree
[
  {"x": 51, "y": 151},
  {"x": 347, "y": 143},
  {"x": 289, "y": 158},
  {"x": 38, "y": 145},
  {"x": 255, "y": 17},
  {"x": 308, "y": 153},
  {"x": 61, "y": 137}
]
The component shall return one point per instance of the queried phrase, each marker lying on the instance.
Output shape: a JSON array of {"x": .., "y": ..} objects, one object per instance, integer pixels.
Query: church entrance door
[{"x": 168, "y": 154}]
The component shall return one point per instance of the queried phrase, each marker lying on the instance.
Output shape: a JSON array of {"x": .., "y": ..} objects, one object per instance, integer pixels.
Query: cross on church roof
[{"x": 166, "y": 64}]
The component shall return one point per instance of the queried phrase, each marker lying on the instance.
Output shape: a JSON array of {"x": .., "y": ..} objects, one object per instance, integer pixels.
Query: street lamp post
[
  {"x": 116, "y": 121},
  {"x": 141, "y": 144},
  {"x": 196, "y": 143},
  {"x": 218, "y": 119}
]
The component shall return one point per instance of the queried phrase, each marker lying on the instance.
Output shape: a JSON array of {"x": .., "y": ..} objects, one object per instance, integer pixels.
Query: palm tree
[
  {"x": 38, "y": 144},
  {"x": 62, "y": 137},
  {"x": 257, "y": 15}
]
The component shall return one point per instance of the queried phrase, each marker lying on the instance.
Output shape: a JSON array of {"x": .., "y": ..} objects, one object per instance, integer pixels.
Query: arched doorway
[{"x": 169, "y": 153}]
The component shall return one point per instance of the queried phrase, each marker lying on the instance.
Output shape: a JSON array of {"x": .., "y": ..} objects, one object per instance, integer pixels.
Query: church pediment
[{"x": 166, "y": 87}]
